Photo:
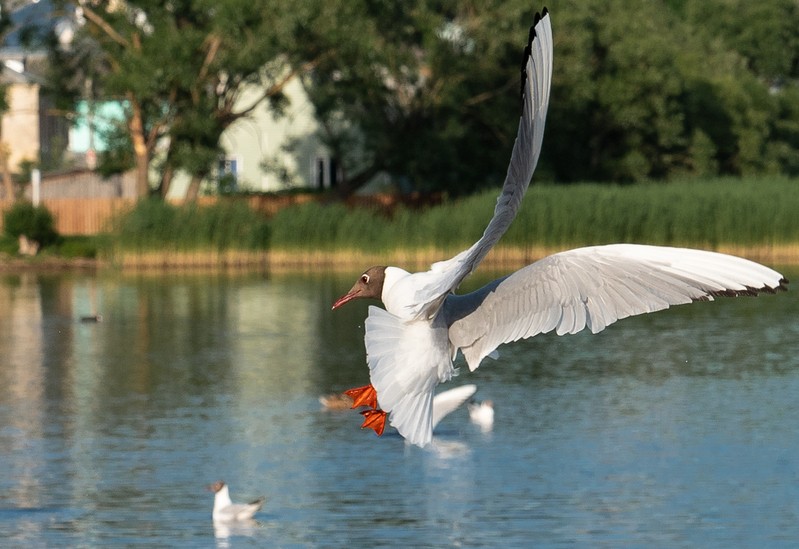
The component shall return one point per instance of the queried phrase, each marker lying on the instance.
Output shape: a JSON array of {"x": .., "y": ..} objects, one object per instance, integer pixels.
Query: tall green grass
[
  {"x": 154, "y": 225},
  {"x": 709, "y": 213}
]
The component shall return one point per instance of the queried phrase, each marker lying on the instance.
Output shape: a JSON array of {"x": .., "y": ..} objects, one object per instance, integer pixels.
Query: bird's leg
[
  {"x": 373, "y": 417},
  {"x": 363, "y": 396},
  {"x": 376, "y": 419}
]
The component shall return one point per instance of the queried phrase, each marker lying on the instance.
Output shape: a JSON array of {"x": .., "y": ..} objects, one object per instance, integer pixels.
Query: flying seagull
[
  {"x": 411, "y": 344},
  {"x": 227, "y": 511}
]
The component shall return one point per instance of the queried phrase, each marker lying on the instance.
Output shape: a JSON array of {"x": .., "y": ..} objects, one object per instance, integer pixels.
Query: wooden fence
[{"x": 80, "y": 216}]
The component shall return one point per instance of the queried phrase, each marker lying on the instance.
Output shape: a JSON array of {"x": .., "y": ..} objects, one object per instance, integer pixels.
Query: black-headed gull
[
  {"x": 411, "y": 344},
  {"x": 482, "y": 414},
  {"x": 227, "y": 511},
  {"x": 444, "y": 403}
]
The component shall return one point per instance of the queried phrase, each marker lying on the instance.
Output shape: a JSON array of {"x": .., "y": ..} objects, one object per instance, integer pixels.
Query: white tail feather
[{"x": 406, "y": 362}]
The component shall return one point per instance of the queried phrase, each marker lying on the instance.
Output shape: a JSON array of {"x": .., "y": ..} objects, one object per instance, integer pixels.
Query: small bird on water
[
  {"x": 482, "y": 414},
  {"x": 411, "y": 344},
  {"x": 227, "y": 511}
]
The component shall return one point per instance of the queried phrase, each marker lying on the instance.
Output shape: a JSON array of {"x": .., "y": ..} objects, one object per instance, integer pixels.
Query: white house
[{"x": 265, "y": 152}]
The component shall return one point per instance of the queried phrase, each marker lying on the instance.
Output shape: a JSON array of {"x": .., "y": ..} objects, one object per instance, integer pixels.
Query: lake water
[{"x": 677, "y": 429}]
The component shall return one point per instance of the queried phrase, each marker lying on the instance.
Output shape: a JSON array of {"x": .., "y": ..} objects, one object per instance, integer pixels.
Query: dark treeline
[
  {"x": 641, "y": 90},
  {"x": 663, "y": 89},
  {"x": 427, "y": 90}
]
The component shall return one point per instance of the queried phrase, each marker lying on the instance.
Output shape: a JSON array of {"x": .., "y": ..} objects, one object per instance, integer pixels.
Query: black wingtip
[
  {"x": 749, "y": 291},
  {"x": 528, "y": 51}
]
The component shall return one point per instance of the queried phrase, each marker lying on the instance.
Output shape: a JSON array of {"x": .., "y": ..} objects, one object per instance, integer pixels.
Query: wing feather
[
  {"x": 536, "y": 83},
  {"x": 446, "y": 402},
  {"x": 592, "y": 288}
]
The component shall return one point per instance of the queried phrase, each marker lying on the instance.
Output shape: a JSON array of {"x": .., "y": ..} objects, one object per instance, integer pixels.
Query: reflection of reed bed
[{"x": 501, "y": 258}]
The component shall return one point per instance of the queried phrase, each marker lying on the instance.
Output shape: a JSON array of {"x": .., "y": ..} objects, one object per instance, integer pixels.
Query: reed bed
[
  {"x": 756, "y": 218},
  {"x": 709, "y": 214},
  {"x": 188, "y": 233}
]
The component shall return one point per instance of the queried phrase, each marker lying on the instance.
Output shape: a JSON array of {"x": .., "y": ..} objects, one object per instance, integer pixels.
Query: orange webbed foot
[
  {"x": 363, "y": 396},
  {"x": 375, "y": 419}
]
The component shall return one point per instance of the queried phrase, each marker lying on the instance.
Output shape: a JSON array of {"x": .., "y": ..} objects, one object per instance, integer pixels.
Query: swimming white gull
[{"x": 227, "y": 511}]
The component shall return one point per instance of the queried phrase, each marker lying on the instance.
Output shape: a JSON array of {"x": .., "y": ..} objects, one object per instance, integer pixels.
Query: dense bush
[
  {"x": 8, "y": 245},
  {"x": 35, "y": 222},
  {"x": 78, "y": 246}
]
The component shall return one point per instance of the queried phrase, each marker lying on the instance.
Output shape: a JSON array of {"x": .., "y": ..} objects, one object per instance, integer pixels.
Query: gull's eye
[{"x": 365, "y": 278}]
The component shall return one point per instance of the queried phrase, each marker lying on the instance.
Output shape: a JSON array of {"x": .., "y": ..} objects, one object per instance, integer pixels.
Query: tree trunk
[
  {"x": 166, "y": 181},
  {"x": 8, "y": 183},
  {"x": 139, "y": 149},
  {"x": 194, "y": 189}
]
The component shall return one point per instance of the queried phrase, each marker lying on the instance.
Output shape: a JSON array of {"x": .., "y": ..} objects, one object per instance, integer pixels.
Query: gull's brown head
[
  {"x": 216, "y": 486},
  {"x": 369, "y": 284}
]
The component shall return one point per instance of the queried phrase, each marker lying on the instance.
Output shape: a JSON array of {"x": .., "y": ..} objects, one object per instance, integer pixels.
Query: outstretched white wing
[
  {"x": 446, "y": 402},
  {"x": 445, "y": 276},
  {"x": 592, "y": 288}
]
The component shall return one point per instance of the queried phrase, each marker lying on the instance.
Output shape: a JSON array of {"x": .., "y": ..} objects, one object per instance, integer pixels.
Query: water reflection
[
  {"x": 224, "y": 531},
  {"x": 670, "y": 429}
]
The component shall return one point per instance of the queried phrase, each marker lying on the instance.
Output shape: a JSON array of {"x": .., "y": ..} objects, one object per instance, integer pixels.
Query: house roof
[
  {"x": 20, "y": 67},
  {"x": 21, "y": 61},
  {"x": 29, "y": 17}
]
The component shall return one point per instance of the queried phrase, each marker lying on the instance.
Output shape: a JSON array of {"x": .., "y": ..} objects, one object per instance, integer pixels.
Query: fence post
[{"x": 36, "y": 185}]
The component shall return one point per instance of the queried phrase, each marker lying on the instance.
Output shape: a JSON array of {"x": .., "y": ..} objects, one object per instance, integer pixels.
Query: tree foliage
[
  {"x": 427, "y": 90},
  {"x": 659, "y": 95},
  {"x": 179, "y": 68},
  {"x": 641, "y": 90},
  {"x": 35, "y": 222}
]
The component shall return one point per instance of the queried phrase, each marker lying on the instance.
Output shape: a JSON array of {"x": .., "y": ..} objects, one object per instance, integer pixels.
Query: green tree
[
  {"x": 649, "y": 93},
  {"x": 763, "y": 110},
  {"x": 34, "y": 222},
  {"x": 765, "y": 34},
  {"x": 426, "y": 91},
  {"x": 179, "y": 69},
  {"x": 5, "y": 27}
]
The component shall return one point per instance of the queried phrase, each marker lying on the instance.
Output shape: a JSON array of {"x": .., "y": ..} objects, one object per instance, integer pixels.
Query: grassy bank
[
  {"x": 756, "y": 218},
  {"x": 750, "y": 214},
  {"x": 156, "y": 234}
]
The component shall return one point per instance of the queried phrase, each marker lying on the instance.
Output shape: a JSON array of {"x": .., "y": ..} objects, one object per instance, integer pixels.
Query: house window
[
  {"x": 228, "y": 174},
  {"x": 333, "y": 171},
  {"x": 319, "y": 179},
  {"x": 325, "y": 172}
]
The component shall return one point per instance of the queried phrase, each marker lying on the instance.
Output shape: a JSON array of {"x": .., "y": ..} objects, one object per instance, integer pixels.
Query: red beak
[{"x": 345, "y": 298}]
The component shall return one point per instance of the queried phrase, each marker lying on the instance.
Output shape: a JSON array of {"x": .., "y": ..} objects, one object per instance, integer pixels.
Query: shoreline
[{"x": 509, "y": 258}]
